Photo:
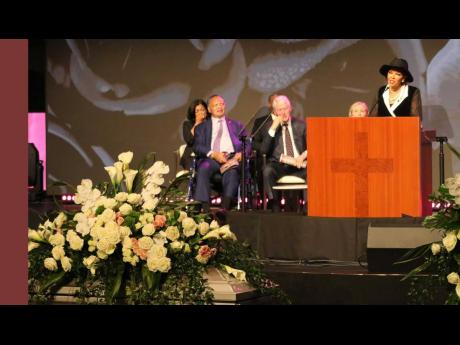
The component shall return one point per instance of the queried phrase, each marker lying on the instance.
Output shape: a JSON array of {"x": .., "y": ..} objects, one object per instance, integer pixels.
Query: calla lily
[
  {"x": 129, "y": 178},
  {"x": 126, "y": 157},
  {"x": 112, "y": 171},
  {"x": 119, "y": 176},
  {"x": 34, "y": 235},
  {"x": 32, "y": 245},
  {"x": 238, "y": 274}
]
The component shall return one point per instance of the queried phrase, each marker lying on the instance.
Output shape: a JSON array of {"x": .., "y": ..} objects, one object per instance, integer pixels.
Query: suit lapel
[
  {"x": 231, "y": 132},
  {"x": 209, "y": 132}
]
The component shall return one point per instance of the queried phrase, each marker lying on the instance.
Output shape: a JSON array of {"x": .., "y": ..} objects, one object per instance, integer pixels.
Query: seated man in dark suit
[
  {"x": 216, "y": 145},
  {"x": 285, "y": 146},
  {"x": 262, "y": 124}
]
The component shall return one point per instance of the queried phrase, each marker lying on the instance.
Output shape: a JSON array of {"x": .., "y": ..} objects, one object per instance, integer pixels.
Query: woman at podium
[{"x": 397, "y": 98}]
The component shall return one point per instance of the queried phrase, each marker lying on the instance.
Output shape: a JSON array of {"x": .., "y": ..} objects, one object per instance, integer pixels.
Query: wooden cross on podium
[{"x": 362, "y": 166}]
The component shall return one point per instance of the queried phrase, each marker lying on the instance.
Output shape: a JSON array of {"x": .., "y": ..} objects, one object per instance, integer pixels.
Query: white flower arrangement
[{"x": 117, "y": 232}]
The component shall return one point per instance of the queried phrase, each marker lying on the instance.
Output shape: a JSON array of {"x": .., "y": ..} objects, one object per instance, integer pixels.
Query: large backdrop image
[{"x": 109, "y": 96}]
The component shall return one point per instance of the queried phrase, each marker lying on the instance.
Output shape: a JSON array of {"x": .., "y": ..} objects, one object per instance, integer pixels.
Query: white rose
[
  {"x": 121, "y": 197},
  {"x": 189, "y": 227},
  {"x": 103, "y": 245},
  {"x": 66, "y": 264},
  {"x": 50, "y": 264},
  {"x": 90, "y": 261},
  {"x": 124, "y": 231},
  {"x": 203, "y": 228},
  {"x": 148, "y": 230},
  {"x": 32, "y": 245},
  {"x": 89, "y": 213},
  {"x": 127, "y": 243},
  {"x": 214, "y": 225},
  {"x": 172, "y": 233},
  {"x": 134, "y": 198},
  {"x": 159, "y": 240},
  {"x": 449, "y": 182},
  {"x": 162, "y": 264},
  {"x": 137, "y": 226},
  {"x": 82, "y": 229},
  {"x": 80, "y": 217},
  {"x": 110, "y": 203},
  {"x": 450, "y": 241},
  {"x": 134, "y": 260},
  {"x": 152, "y": 264},
  {"x": 182, "y": 216},
  {"x": 57, "y": 240},
  {"x": 453, "y": 278},
  {"x": 70, "y": 234},
  {"x": 125, "y": 157},
  {"x": 177, "y": 245},
  {"x": 202, "y": 259},
  {"x": 101, "y": 255},
  {"x": 145, "y": 243},
  {"x": 157, "y": 251},
  {"x": 435, "y": 248},
  {"x": 108, "y": 215},
  {"x": 125, "y": 209},
  {"x": 100, "y": 201},
  {"x": 76, "y": 243},
  {"x": 146, "y": 218}
]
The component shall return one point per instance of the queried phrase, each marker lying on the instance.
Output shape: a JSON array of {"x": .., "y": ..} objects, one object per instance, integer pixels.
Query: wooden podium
[{"x": 364, "y": 167}]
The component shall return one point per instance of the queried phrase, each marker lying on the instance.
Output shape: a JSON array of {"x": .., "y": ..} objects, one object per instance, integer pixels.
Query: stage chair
[
  {"x": 216, "y": 181},
  {"x": 288, "y": 183},
  {"x": 178, "y": 155}
]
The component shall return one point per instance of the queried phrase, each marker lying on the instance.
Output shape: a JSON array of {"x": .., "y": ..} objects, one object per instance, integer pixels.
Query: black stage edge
[
  {"x": 317, "y": 284},
  {"x": 292, "y": 236}
]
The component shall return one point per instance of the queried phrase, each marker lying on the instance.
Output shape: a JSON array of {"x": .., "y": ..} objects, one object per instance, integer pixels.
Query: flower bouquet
[
  {"x": 441, "y": 259},
  {"x": 133, "y": 242}
]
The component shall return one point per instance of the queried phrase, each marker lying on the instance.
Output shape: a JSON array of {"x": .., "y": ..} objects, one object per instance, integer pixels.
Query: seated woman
[
  {"x": 358, "y": 109},
  {"x": 197, "y": 112}
]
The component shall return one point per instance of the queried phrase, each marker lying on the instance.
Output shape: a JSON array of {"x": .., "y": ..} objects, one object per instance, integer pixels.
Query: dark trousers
[
  {"x": 275, "y": 170},
  {"x": 206, "y": 169}
]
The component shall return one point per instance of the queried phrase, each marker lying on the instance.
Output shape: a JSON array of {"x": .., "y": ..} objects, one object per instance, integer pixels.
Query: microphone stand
[
  {"x": 242, "y": 136},
  {"x": 441, "y": 141}
]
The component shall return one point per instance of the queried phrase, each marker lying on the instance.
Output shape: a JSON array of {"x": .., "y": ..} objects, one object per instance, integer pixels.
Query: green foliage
[{"x": 429, "y": 280}]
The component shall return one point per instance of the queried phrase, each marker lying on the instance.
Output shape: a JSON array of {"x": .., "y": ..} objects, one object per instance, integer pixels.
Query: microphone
[{"x": 377, "y": 100}]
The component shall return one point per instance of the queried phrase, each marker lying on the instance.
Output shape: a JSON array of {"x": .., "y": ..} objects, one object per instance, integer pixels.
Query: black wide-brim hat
[{"x": 399, "y": 65}]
